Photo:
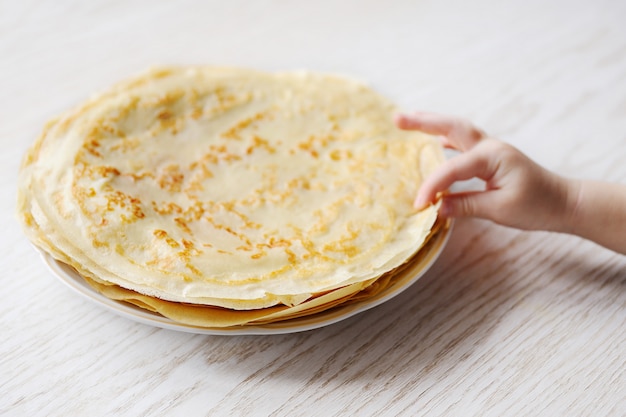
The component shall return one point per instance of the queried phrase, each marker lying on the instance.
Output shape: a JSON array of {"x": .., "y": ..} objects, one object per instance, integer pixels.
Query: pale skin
[{"x": 518, "y": 192}]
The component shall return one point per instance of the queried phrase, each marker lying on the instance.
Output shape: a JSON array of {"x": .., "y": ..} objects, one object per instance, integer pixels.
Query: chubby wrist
[
  {"x": 573, "y": 197},
  {"x": 561, "y": 204},
  {"x": 597, "y": 211}
]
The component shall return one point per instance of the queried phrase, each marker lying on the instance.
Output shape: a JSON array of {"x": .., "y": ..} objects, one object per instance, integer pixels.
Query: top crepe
[{"x": 229, "y": 187}]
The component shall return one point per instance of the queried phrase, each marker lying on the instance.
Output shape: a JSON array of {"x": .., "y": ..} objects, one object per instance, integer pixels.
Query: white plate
[{"x": 73, "y": 280}]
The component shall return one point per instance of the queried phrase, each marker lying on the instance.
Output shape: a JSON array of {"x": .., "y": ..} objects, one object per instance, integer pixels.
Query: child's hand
[{"x": 518, "y": 192}]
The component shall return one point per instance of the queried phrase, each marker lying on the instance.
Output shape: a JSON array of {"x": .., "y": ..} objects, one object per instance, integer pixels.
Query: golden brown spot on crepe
[
  {"x": 140, "y": 176},
  {"x": 345, "y": 244},
  {"x": 260, "y": 143},
  {"x": 171, "y": 178},
  {"x": 28, "y": 219},
  {"x": 162, "y": 234},
  {"x": 291, "y": 257},
  {"x": 164, "y": 115},
  {"x": 189, "y": 251},
  {"x": 95, "y": 172},
  {"x": 196, "y": 113},
  {"x": 200, "y": 170},
  {"x": 339, "y": 154},
  {"x": 180, "y": 222},
  {"x": 193, "y": 269},
  {"x": 168, "y": 99},
  {"x": 119, "y": 249},
  {"x": 235, "y": 131},
  {"x": 216, "y": 154},
  {"x": 92, "y": 147},
  {"x": 166, "y": 208},
  {"x": 100, "y": 244}
]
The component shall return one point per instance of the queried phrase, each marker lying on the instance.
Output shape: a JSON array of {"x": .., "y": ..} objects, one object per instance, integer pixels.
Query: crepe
[
  {"x": 217, "y": 317},
  {"x": 228, "y": 187}
]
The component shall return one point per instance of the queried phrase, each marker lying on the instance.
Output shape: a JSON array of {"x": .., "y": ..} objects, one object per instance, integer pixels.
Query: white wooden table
[{"x": 505, "y": 323}]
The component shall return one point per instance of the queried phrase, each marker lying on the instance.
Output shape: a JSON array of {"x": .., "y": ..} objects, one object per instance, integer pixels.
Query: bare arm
[
  {"x": 598, "y": 213},
  {"x": 518, "y": 192}
]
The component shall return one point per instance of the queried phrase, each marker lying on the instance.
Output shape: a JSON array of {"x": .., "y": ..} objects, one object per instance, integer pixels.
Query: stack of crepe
[{"x": 222, "y": 197}]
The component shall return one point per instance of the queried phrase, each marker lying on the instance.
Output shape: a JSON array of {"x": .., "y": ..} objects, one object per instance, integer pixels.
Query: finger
[
  {"x": 469, "y": 204},
  {"x": 460, "y": 133},
  {"x": 446, "y": 143},
  {"x": 432, "y": 123},
  {"x": 460, "y": 168}
]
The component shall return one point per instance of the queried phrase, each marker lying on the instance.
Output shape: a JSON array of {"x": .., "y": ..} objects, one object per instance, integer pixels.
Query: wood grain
[{"x": 505, "y": 323}]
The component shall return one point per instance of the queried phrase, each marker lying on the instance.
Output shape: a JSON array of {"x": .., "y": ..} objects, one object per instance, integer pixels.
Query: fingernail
[{"x": 419, "y": 202}]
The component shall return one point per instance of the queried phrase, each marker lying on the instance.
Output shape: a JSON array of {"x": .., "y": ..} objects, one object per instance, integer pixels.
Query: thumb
[{"x": 469, "y": 204}]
